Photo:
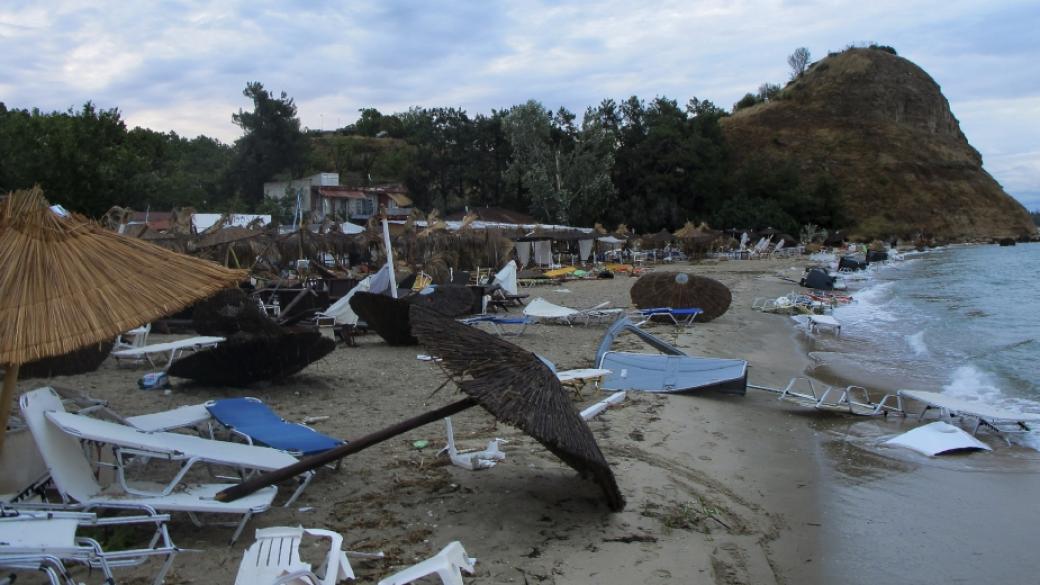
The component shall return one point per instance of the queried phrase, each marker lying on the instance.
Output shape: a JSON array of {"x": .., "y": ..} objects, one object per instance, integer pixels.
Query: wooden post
[
  {"x": 6, "y": 397},
  {"x": 314, "y": 461}
]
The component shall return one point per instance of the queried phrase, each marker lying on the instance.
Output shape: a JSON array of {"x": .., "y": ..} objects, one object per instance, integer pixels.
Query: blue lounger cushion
[{"x": 252, "y": 418}]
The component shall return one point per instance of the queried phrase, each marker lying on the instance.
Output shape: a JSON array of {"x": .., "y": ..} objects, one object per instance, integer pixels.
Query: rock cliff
[{"x": 881, "y": 128}]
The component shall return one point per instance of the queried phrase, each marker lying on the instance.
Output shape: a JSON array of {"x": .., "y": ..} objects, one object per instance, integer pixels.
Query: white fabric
[
  {"x": 937, "y": 438},
  {"x": 506, "y": 278},
  {"x": 541, "y": 308},
  {"x": 611, "y": 240},
  {"x": 585, "y": 249},
  {"x": 543, "y": 253},
  {"x": 743, "y": 240},
  {"x": 351, "y": 228},
  {"x": 341, "y": 311},
  {"x": 523, "y": 252}
]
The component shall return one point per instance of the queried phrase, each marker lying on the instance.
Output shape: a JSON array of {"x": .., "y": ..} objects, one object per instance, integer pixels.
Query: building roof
[
  {"x": 495, "y": 215},
  {"x": 341, "y": 192}
]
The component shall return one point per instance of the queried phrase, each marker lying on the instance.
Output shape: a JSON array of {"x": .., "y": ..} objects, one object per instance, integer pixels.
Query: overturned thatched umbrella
[
  {"x": 66, "y": 283},
  {"x": 231, "y": 311},
  {"x": 514, "y": 385},
  {"x": 389, "y": 317},
  {"x": 80, "y": 361},
  {"x": 385, "y": 315},
  {"x": 679, "y": 290},
  {"x": 245, "y": 358}
]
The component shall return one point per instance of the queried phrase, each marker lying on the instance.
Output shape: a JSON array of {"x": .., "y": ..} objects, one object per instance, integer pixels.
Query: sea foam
[{"x": 917, "y": 344}]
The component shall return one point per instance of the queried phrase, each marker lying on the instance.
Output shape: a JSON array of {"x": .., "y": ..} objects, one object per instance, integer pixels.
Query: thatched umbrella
[
  {"x": 389, "y": 317},
  {"x": 66, "y": 283},
  {"x": 679, "y": 290},
  {"x": 245, "y": 358},
  {"x": 512, "y": 384}
]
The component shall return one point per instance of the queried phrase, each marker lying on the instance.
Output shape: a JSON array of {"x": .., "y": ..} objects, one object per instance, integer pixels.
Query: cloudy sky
[{"x": 181, "y": 65}]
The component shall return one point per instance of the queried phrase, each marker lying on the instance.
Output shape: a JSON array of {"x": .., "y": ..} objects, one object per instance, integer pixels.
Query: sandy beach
[{"x": 720, "y": 489}]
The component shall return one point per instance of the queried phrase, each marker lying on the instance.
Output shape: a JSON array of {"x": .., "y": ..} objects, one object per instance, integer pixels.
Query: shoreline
[{"x": 721, "y": 489}]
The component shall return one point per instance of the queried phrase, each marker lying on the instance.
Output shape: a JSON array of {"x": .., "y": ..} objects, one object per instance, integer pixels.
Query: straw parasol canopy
[
  {"x": 516, "y": 387},
  {"x": 680, "y": 290},
  {"x": 66, "y": 283},
  {"x": 510, "y": 383}
]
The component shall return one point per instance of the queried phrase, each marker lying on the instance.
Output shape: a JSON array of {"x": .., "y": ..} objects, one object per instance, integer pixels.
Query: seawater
[{"x": 963, "y": 320}]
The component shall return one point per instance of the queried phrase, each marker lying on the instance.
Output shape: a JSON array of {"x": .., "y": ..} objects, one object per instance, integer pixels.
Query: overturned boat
[{"x": 671, "y": 371}]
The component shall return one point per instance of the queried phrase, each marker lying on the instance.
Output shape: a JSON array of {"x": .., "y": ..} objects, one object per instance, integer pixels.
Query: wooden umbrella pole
[
  {"x": 6, "y": 397},
  {"x": 314, "y": 461}
]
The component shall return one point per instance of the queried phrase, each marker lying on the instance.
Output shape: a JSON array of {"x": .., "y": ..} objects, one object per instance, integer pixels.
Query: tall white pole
[{"x": 389, "y": 258}]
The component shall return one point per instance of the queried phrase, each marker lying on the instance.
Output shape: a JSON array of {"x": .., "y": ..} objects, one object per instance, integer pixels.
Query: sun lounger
[
  {"x": 680, "y": 317},
  {"x": 188, "y": 450},
  {"x": 446, "y": 564},
  {"x": 673, "y": 372},
  {"x": 815, "y": 322},
  {"x": 191, "y": 415},
  {"x": 578, "y": 378},
  {"x": 252, "y": 420},
  {"x": 73, "y": 475},
  {"x": 39, "y": 539},
  {"x": 500, "y": 324},
  {"x": 171, "y": 349},
  {"x": 543, "y": 310},
  {"x": 1003, "y": 421}
]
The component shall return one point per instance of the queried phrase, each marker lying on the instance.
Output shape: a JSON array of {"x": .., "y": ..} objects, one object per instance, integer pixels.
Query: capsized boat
[{"x": 671, "y": 371}]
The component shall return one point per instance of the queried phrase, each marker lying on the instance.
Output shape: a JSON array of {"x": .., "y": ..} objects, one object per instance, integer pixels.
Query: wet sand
[{"x": 720, "y": 489}]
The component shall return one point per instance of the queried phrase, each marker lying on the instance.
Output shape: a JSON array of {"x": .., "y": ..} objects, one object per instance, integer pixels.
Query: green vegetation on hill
[{"x": 833, "y": 147}]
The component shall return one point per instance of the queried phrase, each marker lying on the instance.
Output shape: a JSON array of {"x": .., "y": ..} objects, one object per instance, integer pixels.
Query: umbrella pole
[
  {"x": 10, "y": 378},
  {"x": 314, "y": 461}
]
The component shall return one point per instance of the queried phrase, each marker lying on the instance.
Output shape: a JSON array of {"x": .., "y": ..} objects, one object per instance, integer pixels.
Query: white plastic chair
[
  {"x": 472, "y": 460},
  {"x": 274, "y": 559},
  {"x": 447, "y": 564},
  {"x": 73, "y": 476}
]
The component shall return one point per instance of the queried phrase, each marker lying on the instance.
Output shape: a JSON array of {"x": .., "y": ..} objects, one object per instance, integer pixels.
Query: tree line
[{"x": 649, "y": 164}]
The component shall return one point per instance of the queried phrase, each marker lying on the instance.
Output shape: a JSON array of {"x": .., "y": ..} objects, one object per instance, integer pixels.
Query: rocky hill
[{"x": 882, "y": 129}]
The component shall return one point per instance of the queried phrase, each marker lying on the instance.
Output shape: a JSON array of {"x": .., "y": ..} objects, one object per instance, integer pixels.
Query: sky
[{"x": 181, "y": 65}]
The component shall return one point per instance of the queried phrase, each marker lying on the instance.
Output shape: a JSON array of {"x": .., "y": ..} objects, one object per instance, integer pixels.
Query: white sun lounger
[
  {"x": 172, "y": 349},
  {"x": 44, "y": 540},
  {"x": 543, "y": 310},
  {"x": 1003, "y": 421},
  {"x": 185, "y": 449},
  {"x": 73, "y": 476},
  {"x": 816, "y": 322}
]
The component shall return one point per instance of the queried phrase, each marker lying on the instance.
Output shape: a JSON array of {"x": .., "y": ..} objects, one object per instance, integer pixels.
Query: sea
[{"x": 963, "y": 320}]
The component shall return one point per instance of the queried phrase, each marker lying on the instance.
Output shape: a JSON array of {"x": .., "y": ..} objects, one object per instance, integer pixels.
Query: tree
[
  {"x": 798, "y": 61},
  {"x": 564, "y": 171},
  {"x": 272, "y": 144}
]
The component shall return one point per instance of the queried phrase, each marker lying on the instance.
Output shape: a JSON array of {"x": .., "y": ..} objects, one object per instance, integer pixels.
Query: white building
[{"x": 321, "y": 195}]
